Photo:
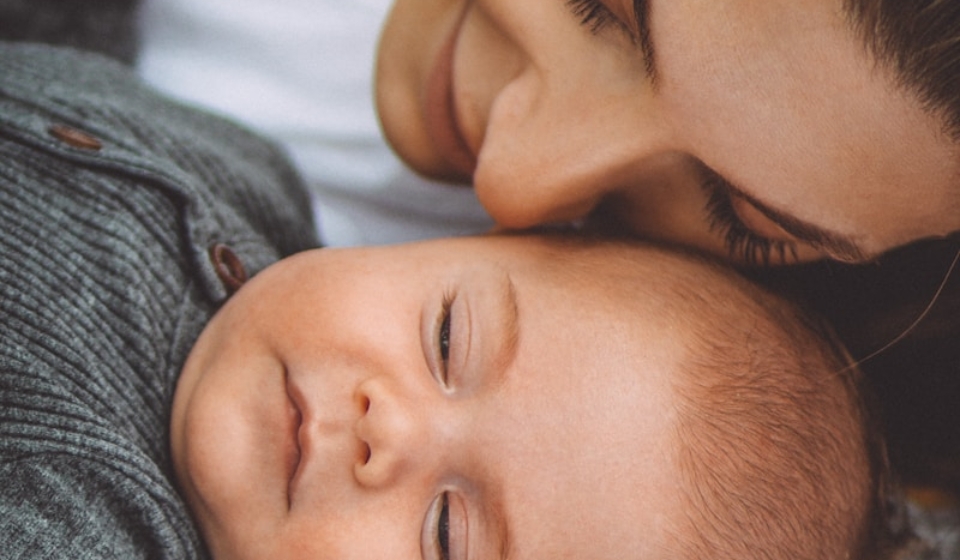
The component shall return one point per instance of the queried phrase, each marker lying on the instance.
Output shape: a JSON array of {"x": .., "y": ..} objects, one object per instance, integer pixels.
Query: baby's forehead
[
  {"x": 641, "y": 286},
  {"x": 631, "y": 270},
  {"x": 699, "y": 303}
]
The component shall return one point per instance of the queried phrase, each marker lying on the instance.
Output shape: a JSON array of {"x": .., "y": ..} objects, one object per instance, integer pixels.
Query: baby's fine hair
[
  {"x": 778, "y": 451},
  {"x": 779, "y": 454}
]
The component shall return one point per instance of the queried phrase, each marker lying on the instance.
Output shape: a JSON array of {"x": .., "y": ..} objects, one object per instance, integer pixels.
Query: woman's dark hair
[{"x": 919, "y": 40}]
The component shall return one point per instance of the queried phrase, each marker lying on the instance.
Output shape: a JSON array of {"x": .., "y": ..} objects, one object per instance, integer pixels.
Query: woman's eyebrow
[{"x": 641, "y": 10}]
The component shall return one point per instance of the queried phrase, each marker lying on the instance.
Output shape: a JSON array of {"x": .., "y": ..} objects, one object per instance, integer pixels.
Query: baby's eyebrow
[{"x": 509, "y": 326}]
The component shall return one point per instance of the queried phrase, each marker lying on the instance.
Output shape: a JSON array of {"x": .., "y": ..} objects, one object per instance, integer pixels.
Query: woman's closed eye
[{"x": 741, "y": 241}]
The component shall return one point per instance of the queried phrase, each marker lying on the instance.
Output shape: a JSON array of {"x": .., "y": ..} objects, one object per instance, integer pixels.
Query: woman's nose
[
  {"x": 401, "y": 436},
  {"x": 516, "y": 206},
  {"x": 566, "y": 127},
  {"x": 549, "y": 160}
]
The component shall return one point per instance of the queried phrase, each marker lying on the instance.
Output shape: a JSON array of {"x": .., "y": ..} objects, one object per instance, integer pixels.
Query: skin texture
[
  {"x": 822, "y": 155},
  {"x": 316, "y": 411}
]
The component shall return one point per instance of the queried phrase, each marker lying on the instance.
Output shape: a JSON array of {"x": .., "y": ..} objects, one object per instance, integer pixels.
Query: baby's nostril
[
  {"x": 366, "y": 456},
  {"x": 365, "y": 403}
]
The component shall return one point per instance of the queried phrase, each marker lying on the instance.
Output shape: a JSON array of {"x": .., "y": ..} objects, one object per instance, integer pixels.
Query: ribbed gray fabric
[
  {"x": 105, "y": 282},
  {"x": 105, "y": 26}
]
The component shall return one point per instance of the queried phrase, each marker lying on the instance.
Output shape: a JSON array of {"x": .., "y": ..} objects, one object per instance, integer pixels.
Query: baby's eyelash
[
  {"x": 444, "y": 327},
  {"x": 444, "y": 335},
  {"x": 592, "y": 14},
  {"x": 741, "y": 242}
]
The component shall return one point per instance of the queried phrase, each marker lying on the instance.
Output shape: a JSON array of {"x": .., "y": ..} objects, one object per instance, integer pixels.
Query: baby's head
[{"x": 520, "y": 397}]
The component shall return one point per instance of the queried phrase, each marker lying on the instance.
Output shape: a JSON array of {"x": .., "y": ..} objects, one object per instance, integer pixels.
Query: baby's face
[{"x": 458, "y": 399}]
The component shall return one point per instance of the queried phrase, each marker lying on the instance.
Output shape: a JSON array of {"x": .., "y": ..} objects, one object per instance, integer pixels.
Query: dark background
[{"x": 916, "y": 380}]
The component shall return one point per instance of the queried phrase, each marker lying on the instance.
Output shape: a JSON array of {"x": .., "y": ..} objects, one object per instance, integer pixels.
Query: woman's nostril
[{"x": 366, "y": 453}]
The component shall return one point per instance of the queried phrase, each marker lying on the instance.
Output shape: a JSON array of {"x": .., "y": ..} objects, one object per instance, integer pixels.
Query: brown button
[
  {"x": 74, "y": 137},
  {"x": 229, "y": 269}
]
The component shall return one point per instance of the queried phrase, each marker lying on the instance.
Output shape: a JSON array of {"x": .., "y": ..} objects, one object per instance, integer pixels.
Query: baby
[{"x": 521, "y": 397}]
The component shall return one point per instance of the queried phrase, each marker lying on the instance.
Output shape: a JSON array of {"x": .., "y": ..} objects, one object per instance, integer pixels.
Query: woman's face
[{"x": 758, "y": 128}]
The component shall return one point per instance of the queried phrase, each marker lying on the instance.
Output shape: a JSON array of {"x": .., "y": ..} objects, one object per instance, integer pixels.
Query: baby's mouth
[{"x": 294, "y": 458}]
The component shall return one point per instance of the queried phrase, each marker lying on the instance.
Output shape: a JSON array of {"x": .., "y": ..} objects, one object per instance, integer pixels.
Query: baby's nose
[{"x": 398, "y": 431}]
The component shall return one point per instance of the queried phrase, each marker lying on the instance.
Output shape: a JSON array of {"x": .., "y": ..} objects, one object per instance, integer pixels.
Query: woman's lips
[{"x": 440, "y": 113}]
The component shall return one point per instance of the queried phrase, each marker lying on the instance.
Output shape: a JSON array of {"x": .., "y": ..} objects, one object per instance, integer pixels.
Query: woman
[{"x": 768, "y": 131}]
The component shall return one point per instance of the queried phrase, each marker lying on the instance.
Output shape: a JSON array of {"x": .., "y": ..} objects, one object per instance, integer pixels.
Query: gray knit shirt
[{"x": 110, "y": 200}]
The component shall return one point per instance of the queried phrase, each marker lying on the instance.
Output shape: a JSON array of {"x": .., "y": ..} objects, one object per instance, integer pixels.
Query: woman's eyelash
[
  {"x": 741, "y": 242},
  {"x": 592, "y": 14}
]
